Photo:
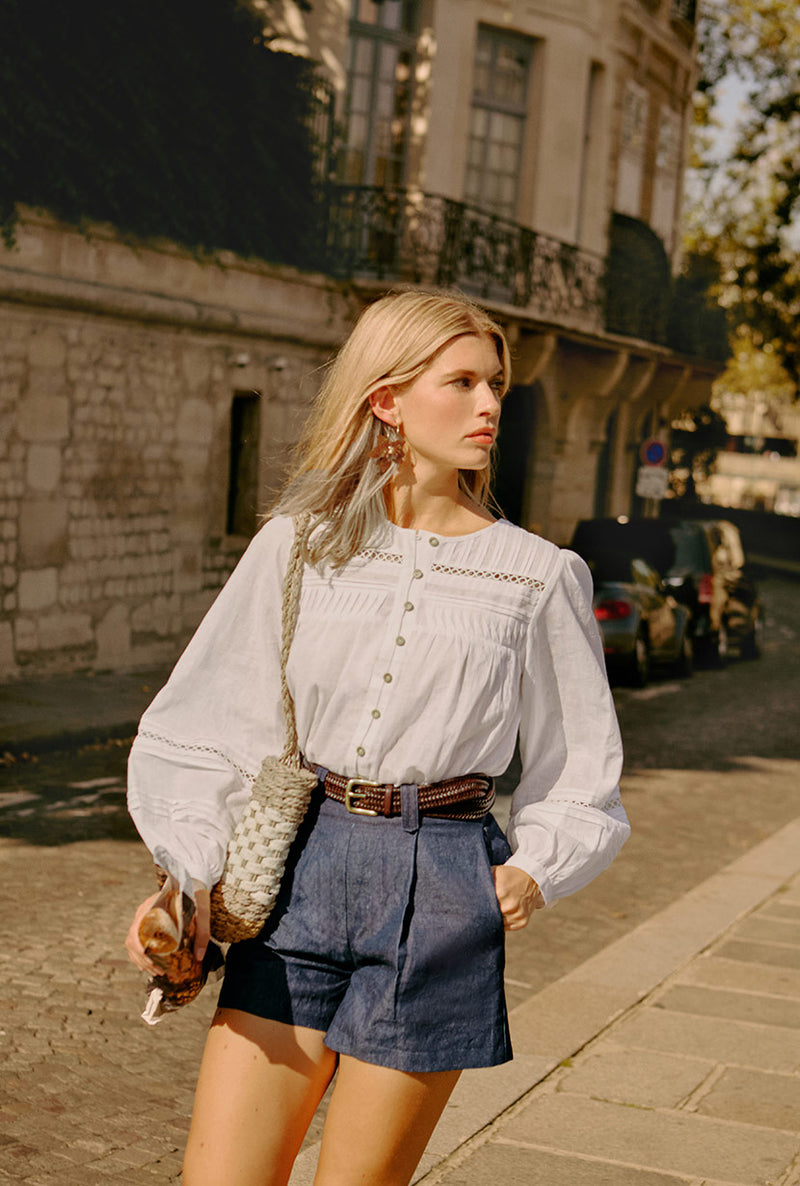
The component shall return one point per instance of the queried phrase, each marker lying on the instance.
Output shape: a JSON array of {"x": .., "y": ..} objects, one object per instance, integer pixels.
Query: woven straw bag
[{"x": 256, "y": 859}]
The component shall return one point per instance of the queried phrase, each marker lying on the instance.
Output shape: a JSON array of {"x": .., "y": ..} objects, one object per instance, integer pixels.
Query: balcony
[{"x": 405, "y": 235}]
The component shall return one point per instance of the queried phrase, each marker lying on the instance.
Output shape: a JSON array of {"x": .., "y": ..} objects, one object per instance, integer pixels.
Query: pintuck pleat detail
[{"x": 345, "y": 600}]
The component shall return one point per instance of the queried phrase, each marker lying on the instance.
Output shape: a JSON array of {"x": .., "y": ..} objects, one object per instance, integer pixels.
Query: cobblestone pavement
[{"x": 89, "y": 1094}]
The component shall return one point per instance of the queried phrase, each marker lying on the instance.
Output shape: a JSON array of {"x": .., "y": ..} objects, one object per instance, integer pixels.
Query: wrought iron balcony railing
[{"x": 427, "y": 239}]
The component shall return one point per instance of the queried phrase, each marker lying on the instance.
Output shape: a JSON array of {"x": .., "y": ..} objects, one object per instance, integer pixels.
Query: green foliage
[
  {"x": 745, "y": 211},
  {"x": 697, "y": 326},
  {"x": 637, "y": 281},
  {"x": 166, "y": 119},
  {"x": 643, "y": 300},
  {"x": 755, "y": 371},
  {"x": 695, "y": 439}
]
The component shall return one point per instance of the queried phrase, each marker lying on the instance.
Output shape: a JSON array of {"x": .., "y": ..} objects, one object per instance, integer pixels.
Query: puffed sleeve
[
  {"x": 201, "y": 742},
  {"x": 567, "y": 821}
]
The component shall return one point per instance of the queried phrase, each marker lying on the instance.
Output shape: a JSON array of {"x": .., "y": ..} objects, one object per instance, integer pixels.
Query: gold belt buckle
[{"x": 351, "y": 792}]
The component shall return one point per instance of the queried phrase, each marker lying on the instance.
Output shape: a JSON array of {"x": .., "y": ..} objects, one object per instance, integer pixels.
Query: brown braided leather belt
[{"x": 466, "y": 798}]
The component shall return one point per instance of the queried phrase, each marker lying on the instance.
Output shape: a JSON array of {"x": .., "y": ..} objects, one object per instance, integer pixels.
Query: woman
[{"x": 429, "y": 634}]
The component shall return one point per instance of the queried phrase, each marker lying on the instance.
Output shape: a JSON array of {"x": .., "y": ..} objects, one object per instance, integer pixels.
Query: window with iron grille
[
  {"x": 497, "y": 120},
  {"x": 379, "y": 91}
]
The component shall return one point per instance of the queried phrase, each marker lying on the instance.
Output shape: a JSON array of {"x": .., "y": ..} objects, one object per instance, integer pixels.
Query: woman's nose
[{"x": 489, "y": 400}]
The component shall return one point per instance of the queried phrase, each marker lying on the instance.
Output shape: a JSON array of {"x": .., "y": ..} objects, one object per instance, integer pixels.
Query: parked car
[
  {"x": 641, "y": 624},
  {"x": 707, "y": 574},
  {"x": 702, "y": 565}
]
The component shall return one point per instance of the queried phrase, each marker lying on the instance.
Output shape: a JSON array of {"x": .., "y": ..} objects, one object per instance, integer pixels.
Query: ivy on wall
[
  {"x": 163, "y": 117},
  {"x": 643, "y": 299}
]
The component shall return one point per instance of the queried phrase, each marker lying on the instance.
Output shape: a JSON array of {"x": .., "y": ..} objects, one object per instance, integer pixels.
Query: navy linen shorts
[{"x": 387, "y": 935}]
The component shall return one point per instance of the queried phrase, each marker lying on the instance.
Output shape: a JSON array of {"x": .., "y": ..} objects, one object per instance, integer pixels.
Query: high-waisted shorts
[{"x": 387, "y": 936}]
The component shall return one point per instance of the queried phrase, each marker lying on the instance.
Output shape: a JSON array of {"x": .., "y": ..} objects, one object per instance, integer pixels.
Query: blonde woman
[{"x": 430, "y": 634}]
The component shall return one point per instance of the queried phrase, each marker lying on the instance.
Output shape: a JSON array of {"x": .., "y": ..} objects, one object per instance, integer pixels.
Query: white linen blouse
[{"x": 419, "y": 660}]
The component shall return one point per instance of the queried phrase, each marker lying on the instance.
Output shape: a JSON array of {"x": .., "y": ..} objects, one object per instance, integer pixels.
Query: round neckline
[{"x": 439, "y": 535}]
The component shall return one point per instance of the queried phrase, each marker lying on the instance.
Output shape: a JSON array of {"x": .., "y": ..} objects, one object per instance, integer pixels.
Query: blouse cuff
[{"x": 565, "y": 846}]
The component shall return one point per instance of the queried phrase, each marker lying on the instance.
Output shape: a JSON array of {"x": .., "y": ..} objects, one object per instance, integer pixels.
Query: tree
[
  {"x": 695, "y": 439},
  {"x": 754, "y": 370},
  {"x": 745, "y": 210},
  {"x": 167, "y": 120}
]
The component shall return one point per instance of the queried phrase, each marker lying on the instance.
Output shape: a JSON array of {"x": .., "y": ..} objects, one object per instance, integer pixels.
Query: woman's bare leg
[
  {"x": 259, "y": 1085},
  {"x": 378, "y": 1123}
]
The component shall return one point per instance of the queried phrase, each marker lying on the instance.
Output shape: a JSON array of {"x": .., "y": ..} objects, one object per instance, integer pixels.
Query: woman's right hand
[{"x": 202, "y": 902}]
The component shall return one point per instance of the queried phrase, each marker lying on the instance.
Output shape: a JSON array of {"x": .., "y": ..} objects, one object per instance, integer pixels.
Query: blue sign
[{"x": 653, "y": 452}]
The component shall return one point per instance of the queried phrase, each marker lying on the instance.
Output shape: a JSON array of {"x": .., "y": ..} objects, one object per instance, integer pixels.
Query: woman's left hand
[{"x": 518, "y": 895}]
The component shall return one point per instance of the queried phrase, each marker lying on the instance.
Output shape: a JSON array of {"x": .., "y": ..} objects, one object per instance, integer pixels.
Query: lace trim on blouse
[
  {"x": 196, "y": 747},
  {"x": 374, "y": 554},
  {"x": 510, "y": 578},
  {"x": 616, "y": 801}
]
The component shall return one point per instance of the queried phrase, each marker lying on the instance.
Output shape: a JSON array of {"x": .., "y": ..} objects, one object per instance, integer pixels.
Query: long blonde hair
[{"x": 334, "y": 480}]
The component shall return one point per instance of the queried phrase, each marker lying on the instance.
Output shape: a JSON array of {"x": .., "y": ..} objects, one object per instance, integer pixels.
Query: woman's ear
[{"x": 384, "y": 405}]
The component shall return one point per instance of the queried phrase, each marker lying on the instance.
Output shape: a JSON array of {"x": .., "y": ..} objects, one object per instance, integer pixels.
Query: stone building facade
[
  {"x": 526, "y": 152},
  {"x": 148, "y": 401},
  {"x": 119, "y": 369}
]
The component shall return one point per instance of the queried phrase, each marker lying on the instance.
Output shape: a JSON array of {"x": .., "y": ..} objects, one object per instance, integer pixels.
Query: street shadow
[{"x": 61, "y": 798}]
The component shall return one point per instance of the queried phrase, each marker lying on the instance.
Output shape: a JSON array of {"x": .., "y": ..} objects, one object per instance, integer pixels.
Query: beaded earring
[{"x": 388, "y": 450}]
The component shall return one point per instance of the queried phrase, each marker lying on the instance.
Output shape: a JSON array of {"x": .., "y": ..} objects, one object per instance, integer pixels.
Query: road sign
[
  {"x": 653, "y": 452},
  {"x": 652, "y": 482}
]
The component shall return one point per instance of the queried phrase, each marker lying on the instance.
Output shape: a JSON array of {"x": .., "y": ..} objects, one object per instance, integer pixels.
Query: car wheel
[
  {"x": 638, "y": 666},
  {"x": 721, "y": 649},
  {"x": 684, "y": 664},
  {"x": 712, "y": 650},
  {"x": 751, "y": 644}
]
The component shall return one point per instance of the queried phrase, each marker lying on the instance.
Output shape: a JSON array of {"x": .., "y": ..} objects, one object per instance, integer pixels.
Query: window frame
[
  {"x": 491, "y": 104},
  {"x": 403, "y": 40}
]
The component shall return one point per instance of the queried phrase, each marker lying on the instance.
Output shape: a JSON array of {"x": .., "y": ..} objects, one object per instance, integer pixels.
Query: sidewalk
[{"x": 673, "y": 1056}]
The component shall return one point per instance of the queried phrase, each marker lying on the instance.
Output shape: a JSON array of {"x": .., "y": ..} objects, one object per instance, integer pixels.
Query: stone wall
[{"x": 117, "y": 372}]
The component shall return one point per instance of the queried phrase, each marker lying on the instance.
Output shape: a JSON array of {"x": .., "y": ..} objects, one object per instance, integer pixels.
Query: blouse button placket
[{"x": 419, "y": 560}]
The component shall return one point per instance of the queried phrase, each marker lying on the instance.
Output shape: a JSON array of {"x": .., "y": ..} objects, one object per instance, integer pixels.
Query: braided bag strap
[
  {"x": 292, "y": 584},
  {"x": 281, "y": 793}
]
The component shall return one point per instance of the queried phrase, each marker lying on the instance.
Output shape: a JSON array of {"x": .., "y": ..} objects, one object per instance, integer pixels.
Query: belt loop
[
  {"x": 321, "y": 774},
  {"x": 409, "y": 806}
]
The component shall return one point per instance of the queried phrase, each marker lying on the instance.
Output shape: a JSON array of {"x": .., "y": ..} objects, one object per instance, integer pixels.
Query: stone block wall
[{"x": 115, "y": 438}]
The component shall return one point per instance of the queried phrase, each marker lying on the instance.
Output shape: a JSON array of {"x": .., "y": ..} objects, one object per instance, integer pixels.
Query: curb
[
  {"x": 773, "y": 564},
  {"x": 556, "y": 1023}
]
